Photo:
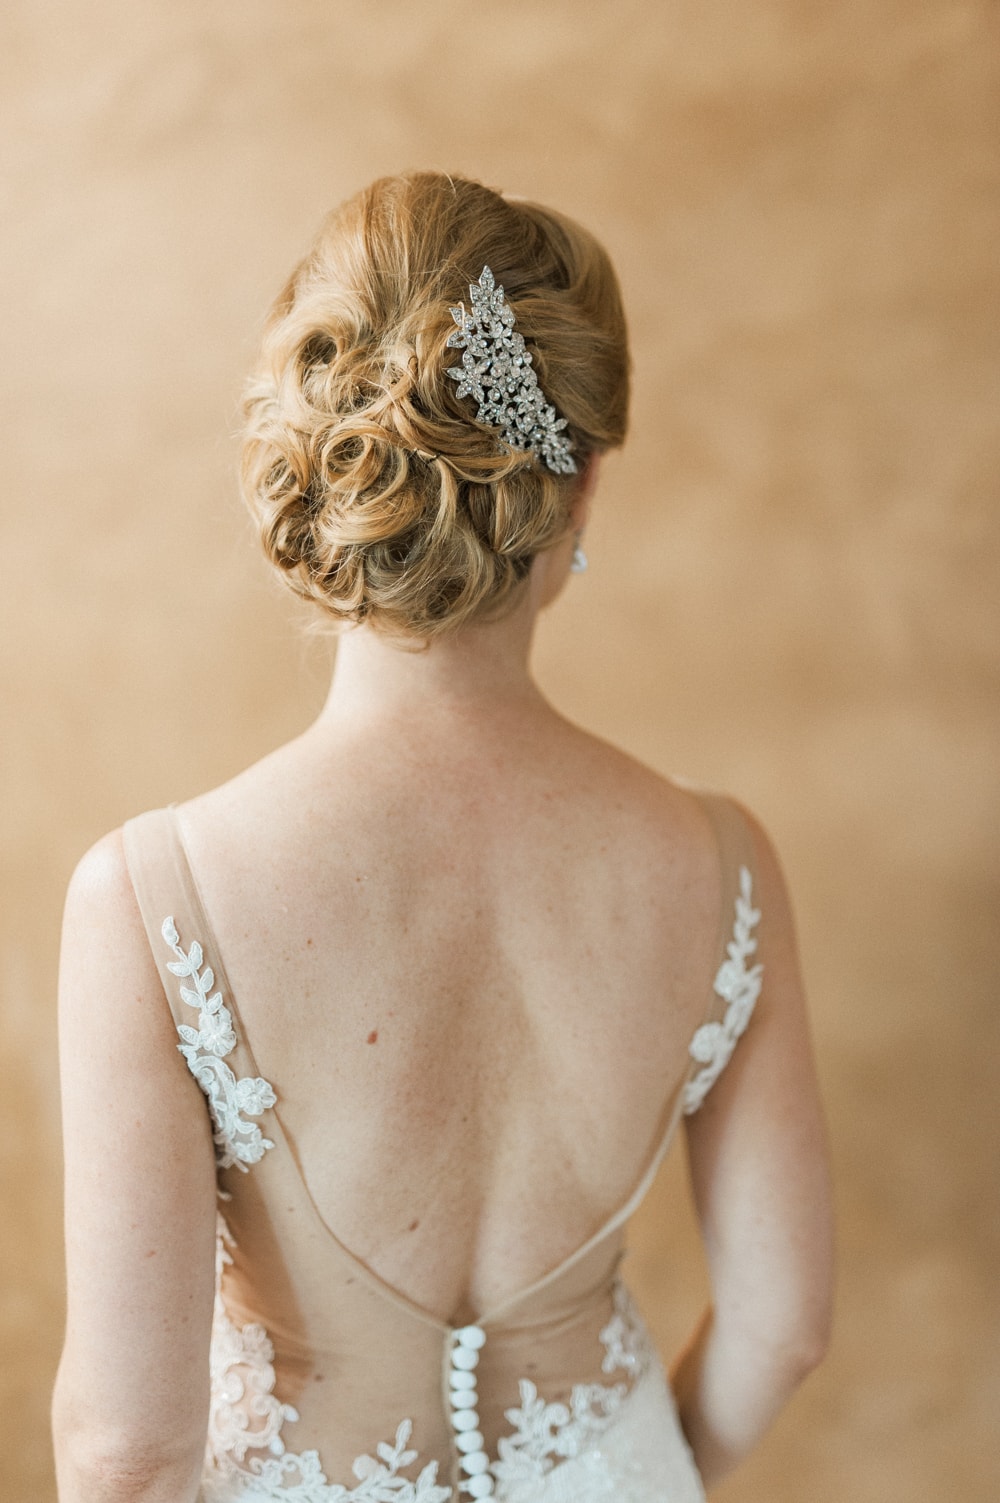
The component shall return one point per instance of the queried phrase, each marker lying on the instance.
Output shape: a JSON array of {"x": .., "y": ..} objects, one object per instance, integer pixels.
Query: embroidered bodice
[{"x": 329, "y": 1386}]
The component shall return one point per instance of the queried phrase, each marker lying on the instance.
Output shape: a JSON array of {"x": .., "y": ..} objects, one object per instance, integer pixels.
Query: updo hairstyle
[{"x": 377, "y": 493}]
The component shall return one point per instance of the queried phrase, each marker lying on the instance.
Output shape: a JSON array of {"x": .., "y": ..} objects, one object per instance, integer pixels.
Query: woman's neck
[{"x": 477, "y": 670}]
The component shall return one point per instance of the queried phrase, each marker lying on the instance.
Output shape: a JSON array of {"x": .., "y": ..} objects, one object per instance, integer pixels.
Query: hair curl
[{"x": 377, "y": 493}]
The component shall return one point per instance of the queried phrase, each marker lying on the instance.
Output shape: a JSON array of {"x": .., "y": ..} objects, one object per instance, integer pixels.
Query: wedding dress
[{"x": 330, "y": 1386}]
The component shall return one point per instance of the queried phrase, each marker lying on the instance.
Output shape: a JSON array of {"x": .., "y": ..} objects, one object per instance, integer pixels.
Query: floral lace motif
[
  {"x": 247, "y": 1417},
  {"x": 739, "y": 987},
  {"x": 243, "y": 1378},
  {"x": 237, "y": 1141},
  {"x": 301, "y": 1479},
  {"x": 626, "y": 1344},
  {"x": 546, "y": 1434}
]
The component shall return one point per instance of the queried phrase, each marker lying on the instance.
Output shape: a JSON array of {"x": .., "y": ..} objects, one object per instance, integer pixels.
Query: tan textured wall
[{"x": 793, "y": 581}]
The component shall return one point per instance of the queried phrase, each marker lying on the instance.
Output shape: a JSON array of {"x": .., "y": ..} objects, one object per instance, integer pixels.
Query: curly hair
[{"x": 377, "y": 493}]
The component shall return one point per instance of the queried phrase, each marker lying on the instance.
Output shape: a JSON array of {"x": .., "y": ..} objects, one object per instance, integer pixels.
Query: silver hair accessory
[{"x": 496, "y": 370}]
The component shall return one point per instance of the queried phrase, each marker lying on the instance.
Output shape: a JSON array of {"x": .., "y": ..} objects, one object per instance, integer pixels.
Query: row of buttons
[{"x": 467, "y": 1343}]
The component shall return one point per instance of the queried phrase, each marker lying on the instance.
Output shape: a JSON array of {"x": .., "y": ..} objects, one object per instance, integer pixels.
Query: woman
[{"x": 446, "y": 971}]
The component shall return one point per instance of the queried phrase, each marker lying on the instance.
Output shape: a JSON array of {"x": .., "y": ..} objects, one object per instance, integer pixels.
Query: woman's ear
[{"x": 579, "y": 512}]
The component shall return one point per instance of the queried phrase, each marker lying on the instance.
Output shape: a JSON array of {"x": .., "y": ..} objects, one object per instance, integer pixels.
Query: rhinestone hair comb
[{"x": 496, "y": 370}]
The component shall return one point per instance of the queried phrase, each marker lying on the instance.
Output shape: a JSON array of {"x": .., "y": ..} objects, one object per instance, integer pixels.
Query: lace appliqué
[
  {"x": 237, "y": 1141},
  {"x": 546, "y": 1434},
  {"x": 244, "y": 1412},
  {"x": 626, "y": 1345},
  {"x": 739, "y": 987},
  {"x": 245, "y": 1415},
  {"x": 300, "y": 1479}
]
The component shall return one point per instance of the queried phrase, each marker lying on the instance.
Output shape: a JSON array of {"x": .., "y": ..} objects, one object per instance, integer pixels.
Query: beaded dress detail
[{"x": 557, "y": 1397}]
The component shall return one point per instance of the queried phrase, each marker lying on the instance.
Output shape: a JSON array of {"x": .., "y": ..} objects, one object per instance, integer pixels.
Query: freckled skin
[{"x": 373, "y": 1036}]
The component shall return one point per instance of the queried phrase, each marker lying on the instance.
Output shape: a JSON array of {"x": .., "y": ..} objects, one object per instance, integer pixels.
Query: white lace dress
[{"x": 328, "y": 1385}]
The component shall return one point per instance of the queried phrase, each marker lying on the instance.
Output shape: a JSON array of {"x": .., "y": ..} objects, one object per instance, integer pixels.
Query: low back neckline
[{"x": 611, "y": 1225}]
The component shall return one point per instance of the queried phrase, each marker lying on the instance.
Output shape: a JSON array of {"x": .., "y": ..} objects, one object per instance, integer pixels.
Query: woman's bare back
[{"x": 470, "y": 954}]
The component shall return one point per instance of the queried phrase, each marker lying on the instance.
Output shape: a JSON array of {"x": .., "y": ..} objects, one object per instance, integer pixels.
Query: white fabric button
[
  {"x": 472, "y": 1440},
  {"x": 473, "y": 1337},
  {"x": 465, "y": 1419},
  {"x": 458, "y": 1379},
  {"x": 481, "y": 1486},
  {"x": 463, "y": 1398},
  {"x": 475, "y": 1462},
  {"x": 464, "y": 1357}
]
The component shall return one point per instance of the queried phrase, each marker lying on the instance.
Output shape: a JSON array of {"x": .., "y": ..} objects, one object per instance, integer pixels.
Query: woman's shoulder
[
  {"x": 100, "y": 879},
  {"x": 665, "y": 803},
  {"x": 674, "y": 817},
  {"x": 103, "y": 930}
]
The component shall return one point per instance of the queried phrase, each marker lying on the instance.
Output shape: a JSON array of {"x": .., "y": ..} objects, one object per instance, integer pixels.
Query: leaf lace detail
[
  {"x": 739, "y": 987},
  {"x": 546, "y": 1434},
  {"x": 300, "y": 1479},
  {"x": 237, "y": 1141},
  {"x": 246, "y": 1415}
]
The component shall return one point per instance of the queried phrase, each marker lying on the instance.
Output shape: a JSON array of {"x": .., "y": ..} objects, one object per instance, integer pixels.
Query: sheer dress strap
[
  {"x": 737, "y": 982},
  {"x": 212, "y": 1039}
]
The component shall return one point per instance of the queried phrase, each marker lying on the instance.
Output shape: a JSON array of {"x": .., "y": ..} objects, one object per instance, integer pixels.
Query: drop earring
[{"x": 579, "y": 561}]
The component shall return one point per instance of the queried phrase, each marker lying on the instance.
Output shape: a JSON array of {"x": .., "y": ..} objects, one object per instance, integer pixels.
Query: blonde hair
[{"x": 377, "y": 493}]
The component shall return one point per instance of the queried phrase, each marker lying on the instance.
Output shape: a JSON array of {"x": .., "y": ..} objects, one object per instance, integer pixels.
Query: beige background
[{"x": 793, "y": 577}]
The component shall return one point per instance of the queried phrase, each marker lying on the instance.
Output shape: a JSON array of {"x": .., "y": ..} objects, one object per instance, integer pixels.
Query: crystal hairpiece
[{"x": 496, "y": 370}]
